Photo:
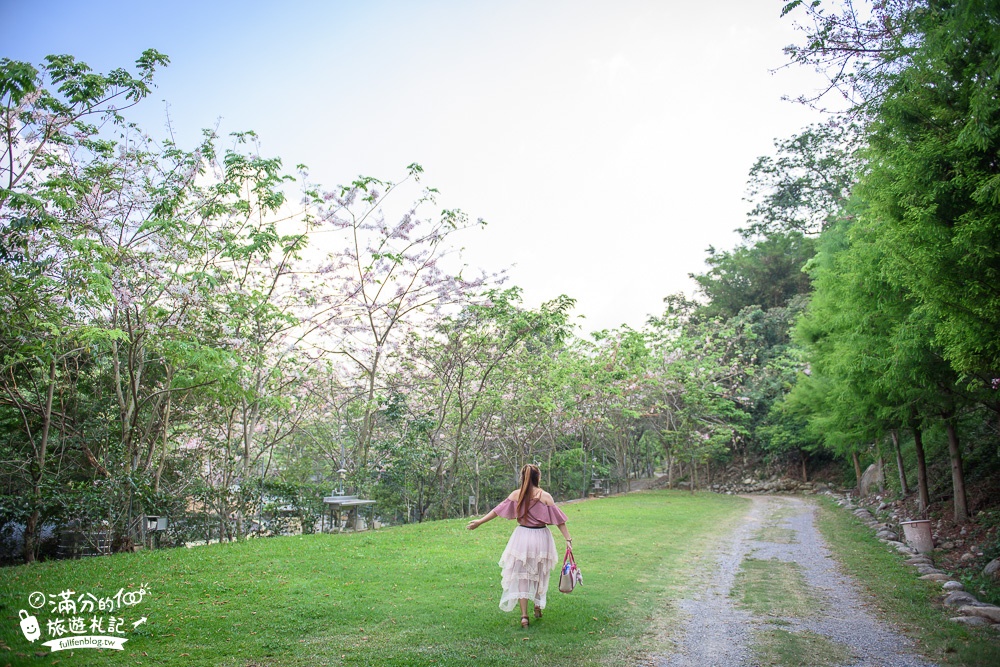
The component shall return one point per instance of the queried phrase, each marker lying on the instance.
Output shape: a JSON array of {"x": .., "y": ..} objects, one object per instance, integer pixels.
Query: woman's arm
[
  {"x": 565, "y": 533},
  {"x": 476, "y": 523}
]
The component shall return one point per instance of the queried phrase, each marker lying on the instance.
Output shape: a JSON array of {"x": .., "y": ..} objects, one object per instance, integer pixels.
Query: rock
[
  {"x": 971, "y": 621},
  {"x": 887, "y": 535},
  {"x": 871, "y": 478},
  {"x": 935, "y": 577},
  {"x": 883, "y": 506},
  {"x": 992, "y": 569},
  {"x": 989, "y": 612},
  {"x": 953, "y": 586},
  {"x": 967, "y": 557},
  {"x": 904, "y": 549},
  {"x": 927, "y": 569},
  {"x": 919, "y": 559},
  {"x": 959, "y": 599},
  {"x": 947, "y": 546}
]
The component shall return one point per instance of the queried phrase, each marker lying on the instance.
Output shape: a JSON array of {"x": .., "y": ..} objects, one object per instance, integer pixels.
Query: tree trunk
[
  {"x": 857, "y": 468},
  {"x": 163, "y": 452},
  {"x": 477, "y": 482},
  {"x": 903, "y": 486},
  {"x": 881, "y": 469},
  {"x": 548, "y": 467},
  {"x": 804, "y": 458},
  {"x": 957, "y": 476},
  {"x": 420, "y": 502},
  {"x": 923, "y": 490},
  {"x": 368, "y": 424},
  {"x": 31, "y": 528}
]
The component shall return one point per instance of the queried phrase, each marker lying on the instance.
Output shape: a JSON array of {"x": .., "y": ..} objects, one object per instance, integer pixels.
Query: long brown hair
[{"x": 530, "y": 474}]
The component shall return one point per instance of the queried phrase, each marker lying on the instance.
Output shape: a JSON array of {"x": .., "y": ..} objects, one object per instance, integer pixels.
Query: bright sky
[{"x": 607, "y": 144}]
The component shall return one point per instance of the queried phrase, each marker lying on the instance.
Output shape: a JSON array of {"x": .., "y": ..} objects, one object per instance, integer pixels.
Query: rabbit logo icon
[{"x": 29, "y": 626}]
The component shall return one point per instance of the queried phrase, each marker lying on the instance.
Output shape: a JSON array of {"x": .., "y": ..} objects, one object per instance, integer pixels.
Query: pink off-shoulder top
[{"x": 539, "y": 514}]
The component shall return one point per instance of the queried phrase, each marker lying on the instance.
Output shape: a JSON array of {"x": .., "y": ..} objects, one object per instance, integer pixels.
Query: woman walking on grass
[{"x": 531, "y": 552}]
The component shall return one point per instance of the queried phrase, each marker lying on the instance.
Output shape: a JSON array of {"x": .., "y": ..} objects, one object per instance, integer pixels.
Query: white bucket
[{"x": 918, "y": 535}]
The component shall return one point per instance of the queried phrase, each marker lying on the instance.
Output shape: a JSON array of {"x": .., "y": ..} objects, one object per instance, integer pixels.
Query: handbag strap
[{"x": 568, "y": 558}]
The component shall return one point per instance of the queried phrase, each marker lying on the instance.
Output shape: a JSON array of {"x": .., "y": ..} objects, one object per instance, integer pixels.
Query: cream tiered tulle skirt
[{"x": 525, "y": 566}]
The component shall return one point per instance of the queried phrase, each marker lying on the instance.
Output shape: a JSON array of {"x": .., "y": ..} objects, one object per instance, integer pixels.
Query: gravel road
[{"x": 715, "y": 633}]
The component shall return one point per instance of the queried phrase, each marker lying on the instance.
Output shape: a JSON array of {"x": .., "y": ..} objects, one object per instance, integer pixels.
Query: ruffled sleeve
[
  {"x": 507, "y": 509},
  {"x": 539, "y": 514},
  {"x": 549, "y": 514}
]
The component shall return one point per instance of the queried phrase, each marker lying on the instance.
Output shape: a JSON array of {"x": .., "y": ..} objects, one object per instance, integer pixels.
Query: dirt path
[{"x": 716, "y": 632}]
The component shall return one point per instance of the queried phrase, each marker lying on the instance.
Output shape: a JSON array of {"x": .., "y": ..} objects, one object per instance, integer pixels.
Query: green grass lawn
[{"x": 411, "y": 595}]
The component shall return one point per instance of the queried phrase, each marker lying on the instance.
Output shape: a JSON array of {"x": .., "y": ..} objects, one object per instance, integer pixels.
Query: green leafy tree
[
  {"x": 805, "y": 184},
  {"x": 921, "y": 77},
  {"x": 700, "y": 371},
  {"x": 860, "y": 47},
  {"x": 766, "y": 274},
  {"x": 61, "y": 184},
  {"x": 472, "y": 367},
  {"x": 872, "y": 346},
  {"x": 389, "y": 279},
  {"x": 934, "y": 182}
]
